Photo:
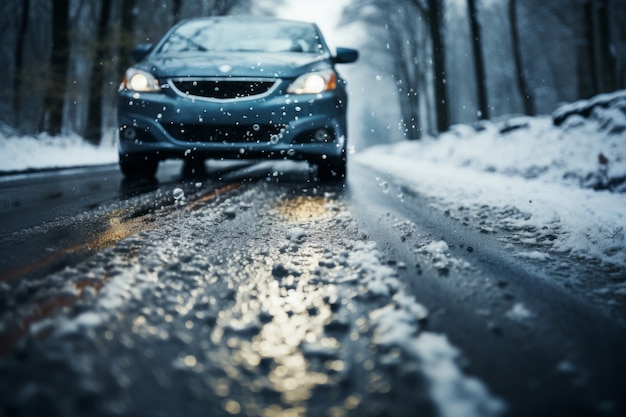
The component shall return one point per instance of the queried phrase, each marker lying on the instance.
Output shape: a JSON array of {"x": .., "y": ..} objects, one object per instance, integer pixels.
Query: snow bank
[
  {"x": 585, "y": 108},
  {"x": 563, "y": 187},
  {"x": 397, "y": 325},
  {"x": 20, "y": 153},
  {"x": 568, "y": 155}
]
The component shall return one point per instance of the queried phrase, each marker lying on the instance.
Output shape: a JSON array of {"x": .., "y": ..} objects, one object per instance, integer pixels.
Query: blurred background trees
[
  {"x": 63, "y": 60},
  {"x": 480, "y": 59},
  {"x": 450, "y": 61}
]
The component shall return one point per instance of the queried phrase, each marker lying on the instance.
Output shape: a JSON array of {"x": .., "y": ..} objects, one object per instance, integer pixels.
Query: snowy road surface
[{"x": 275, "y": 296}]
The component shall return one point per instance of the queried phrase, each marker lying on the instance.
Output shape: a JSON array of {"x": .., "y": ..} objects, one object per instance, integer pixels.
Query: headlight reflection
[
  {"x": 287, "y": 318},
  {"x": 275, "y": 339}
]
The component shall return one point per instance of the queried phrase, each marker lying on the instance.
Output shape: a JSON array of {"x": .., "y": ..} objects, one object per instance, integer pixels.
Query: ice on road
[{"x": 254, "y": 305}]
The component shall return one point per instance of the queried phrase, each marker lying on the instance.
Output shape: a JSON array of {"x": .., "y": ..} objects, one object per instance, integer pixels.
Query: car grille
[
  {"x": 256, "y": 133},
  {"x": 223, "y": 89}
]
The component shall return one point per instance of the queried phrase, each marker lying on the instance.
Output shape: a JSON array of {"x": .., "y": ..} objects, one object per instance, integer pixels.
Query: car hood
[{"x": 235, "y": 64}]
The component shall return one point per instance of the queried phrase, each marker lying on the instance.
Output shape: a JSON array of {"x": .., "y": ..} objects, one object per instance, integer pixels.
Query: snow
[
  {"x": 519, "y": 312},
  {"x": 455, "y": 395},
  {"x": 296, "y": 234},
  {"x": 438, "y": 247},
  {"x": 561, "y": 186},
  {"x": 396, "y": 325},
  {"x": 20, "y": 153},
  {"x": 534, "y": 255}
]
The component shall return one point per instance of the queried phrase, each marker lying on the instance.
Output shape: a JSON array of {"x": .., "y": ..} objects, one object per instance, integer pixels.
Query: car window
[{"x": 270, "y": 36}]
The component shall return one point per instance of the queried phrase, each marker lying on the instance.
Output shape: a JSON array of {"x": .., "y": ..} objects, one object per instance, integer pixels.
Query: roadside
[
  {"x": 522, "y": 332},
  {"x": 553, "y": 191},
  {"x": 19, "y": 154}
]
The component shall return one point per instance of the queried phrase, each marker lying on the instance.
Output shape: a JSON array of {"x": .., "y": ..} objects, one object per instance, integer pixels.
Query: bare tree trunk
[
  {"x": 223, "y": 7},
  {"x": 127, "y": 38},
  {"x": 52, "y": 119},
  {"x": 586, "y": 69},
  {"x": 590, "y": 47},
  {"x": 18, "y": 78},
  {"x": 604, "y": 60},
  {"x": 176, "y": 7},
  {"x": 402, "y": 28},
  {"x": 409, "y": 105},
  {"x": 93, "y": 133},
  {"x": 479, "y": 61},
  {"x": 404, "y": 44},
  {"x": 522, "y": 82},
  {"x": 439, "y": 65}
]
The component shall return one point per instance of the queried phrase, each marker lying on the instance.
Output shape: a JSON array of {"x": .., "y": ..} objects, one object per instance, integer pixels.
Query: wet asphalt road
[{"x": 184, "y": 346}]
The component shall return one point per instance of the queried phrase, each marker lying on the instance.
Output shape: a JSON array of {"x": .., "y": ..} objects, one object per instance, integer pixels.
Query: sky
[{"x": 326, "y": 13}]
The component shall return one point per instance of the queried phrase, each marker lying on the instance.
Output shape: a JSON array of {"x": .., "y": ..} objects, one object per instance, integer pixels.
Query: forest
[{"x": 449, "y": 61}]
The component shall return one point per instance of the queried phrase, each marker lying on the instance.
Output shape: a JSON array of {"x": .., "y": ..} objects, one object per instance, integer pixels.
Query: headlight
[
  {"x": 141, "y": 81},
  {"x": 314, "y": 83}
]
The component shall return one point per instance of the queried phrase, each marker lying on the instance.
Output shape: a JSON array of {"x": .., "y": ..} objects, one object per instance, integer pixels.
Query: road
[{"x": 256, "y": 291}]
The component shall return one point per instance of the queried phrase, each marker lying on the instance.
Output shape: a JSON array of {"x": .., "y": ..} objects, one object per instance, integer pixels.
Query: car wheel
[
  {"x": 138, "y": 166},
  {"x": 332, "y": 169}
]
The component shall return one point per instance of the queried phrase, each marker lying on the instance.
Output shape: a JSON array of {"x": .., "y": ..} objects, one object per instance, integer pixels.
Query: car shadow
[{"x": 279, "y": 172}]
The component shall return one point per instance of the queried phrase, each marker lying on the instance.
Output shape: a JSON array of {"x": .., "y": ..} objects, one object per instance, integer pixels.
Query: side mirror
[
  {"x": 346, "y": 56},
  {"x": 139, "y": 52}
]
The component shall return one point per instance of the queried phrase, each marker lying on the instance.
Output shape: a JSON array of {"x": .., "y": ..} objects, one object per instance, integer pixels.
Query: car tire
[
  {"x": 332, "y": 169},
  {"x": 138, "y": 166}
]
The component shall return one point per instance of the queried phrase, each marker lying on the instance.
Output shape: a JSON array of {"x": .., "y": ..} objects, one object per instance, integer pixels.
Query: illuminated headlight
[
  {"x": 314, "y": 83},
  {"x": 140, "y": 81}
]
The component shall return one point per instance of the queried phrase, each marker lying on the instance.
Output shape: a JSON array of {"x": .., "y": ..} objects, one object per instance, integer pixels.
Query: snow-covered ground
[
  {"x": 559, "y": 189},
  {"x": 21, "y": 153},
  {"x": 553, "y": 188}
]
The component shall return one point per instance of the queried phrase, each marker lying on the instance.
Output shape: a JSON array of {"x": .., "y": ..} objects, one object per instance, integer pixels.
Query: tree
[
  {"x": 409, "y": 66},
  {"x": 599, "y": 40},
  {"x": 401, "y": 36},
  {"x": 55, "y": 88},
  {"x": 223, "y": 7},
  {"x": 176, "y": 7},
  {"x": 19, "y": 76},
  {"x": 479, "y": 61},
  {"x": 578, "y": 49},
  {"x": 522, "y": 82},
  {"x": 416, "y": 45},
  {"x": 93, "y": 132},
  {"x": 439, "y": 64},
  {"x": 126, "y": 34}
]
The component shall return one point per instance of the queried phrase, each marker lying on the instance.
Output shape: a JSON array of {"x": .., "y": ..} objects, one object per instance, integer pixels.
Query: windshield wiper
[{"x": 191, "y": 42}]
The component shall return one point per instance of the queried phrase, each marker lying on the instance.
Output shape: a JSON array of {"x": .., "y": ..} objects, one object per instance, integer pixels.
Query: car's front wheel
[{"x": 138, "y": 166}]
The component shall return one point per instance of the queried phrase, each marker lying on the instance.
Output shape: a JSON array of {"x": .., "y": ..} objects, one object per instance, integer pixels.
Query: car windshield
[{"x": 249, "y": 36}]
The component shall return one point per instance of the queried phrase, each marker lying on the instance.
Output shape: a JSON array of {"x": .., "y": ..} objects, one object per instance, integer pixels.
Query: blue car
[{"x": 235, "y": 88}]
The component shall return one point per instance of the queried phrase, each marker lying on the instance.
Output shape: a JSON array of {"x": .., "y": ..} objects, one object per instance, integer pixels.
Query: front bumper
[{"x": 167, "y": 125}]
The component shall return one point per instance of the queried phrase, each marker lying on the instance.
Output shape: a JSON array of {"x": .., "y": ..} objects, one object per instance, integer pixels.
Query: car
[{"x": 235, "y": 88}]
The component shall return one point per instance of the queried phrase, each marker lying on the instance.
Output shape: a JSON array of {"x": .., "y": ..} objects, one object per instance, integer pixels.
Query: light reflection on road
[
  {"x": 273, "y": 339},
  {"x": 302, "y": 208}
]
